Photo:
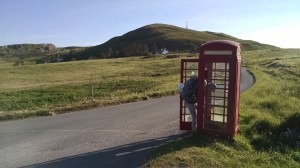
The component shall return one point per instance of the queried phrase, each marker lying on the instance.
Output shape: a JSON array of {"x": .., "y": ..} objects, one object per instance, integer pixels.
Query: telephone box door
[
  {"x": 215, "y": 104},
  {"x": 188, "y": 67}
]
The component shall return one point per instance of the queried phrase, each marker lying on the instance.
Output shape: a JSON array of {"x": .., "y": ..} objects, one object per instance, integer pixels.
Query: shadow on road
[{"x": 130, "y": 155}]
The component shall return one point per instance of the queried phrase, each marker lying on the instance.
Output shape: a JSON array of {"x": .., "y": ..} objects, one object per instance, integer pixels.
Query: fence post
[{"x": 92, "y": 90}]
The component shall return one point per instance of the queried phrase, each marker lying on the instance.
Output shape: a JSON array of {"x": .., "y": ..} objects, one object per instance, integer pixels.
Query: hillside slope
[{"x": 152, "y": 38}]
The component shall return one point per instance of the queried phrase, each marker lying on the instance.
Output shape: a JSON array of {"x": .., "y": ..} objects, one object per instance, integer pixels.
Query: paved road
[
  {"x": 247, "y": 80},
  {"x": 117, "y": 136}
]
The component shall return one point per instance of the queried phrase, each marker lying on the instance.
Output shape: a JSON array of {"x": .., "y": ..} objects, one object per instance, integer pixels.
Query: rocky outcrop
[{"x": 17, "y": 49}]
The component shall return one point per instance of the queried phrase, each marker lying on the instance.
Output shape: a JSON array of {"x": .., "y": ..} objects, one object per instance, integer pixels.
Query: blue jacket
[{"x": 190, "y": 89}]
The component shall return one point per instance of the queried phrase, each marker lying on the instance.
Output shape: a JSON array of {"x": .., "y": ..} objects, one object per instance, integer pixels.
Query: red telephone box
[{"x": 219, "y": 63}]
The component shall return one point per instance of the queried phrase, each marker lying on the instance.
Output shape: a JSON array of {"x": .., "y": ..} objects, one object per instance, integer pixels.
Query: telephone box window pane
[
  {"x": 227, "y": 66},
  {"x": 186, "y": 114},
  {"x": 218, "y": 114},
  {"x": 188, "y": 118},
  {"x": 190, "y": 68},
  {"x": 225, "y": 103},
  {"x": 218, "y": 110},
  {"x": 219, "y": 118},
  {"x": 216, "y": 101},
  {"x": 219, "y": 92}
]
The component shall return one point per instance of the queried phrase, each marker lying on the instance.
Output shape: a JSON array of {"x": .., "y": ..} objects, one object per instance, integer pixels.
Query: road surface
[{"x": 116, "y": 136}]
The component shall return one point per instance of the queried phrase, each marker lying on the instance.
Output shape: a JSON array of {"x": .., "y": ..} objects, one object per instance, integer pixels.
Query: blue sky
[{"x": 92, "y": 22}]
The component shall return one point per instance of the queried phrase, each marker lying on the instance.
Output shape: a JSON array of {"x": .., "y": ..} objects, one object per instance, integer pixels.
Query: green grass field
[
  {"x": 30, "y": 89},
  {"x": 269, "y": 116}
]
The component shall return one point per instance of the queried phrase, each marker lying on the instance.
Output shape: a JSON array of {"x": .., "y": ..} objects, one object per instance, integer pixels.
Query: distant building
[{"x": 164, "y": 51}]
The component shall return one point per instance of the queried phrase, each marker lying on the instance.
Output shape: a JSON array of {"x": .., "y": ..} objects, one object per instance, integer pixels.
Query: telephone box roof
[{"x": 221, "y": 42}]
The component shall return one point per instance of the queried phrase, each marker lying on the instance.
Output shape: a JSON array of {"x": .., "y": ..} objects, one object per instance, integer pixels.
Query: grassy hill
[
  {"x": 152, "y": 38},
  {"x": 147, "y": 40}
]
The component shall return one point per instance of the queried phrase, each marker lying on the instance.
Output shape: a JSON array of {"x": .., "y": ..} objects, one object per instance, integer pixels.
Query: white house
[{"x": 164, "y": 51}]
